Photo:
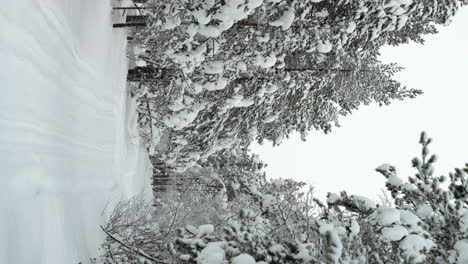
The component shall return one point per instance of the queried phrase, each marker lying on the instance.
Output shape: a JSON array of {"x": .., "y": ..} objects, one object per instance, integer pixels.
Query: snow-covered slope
[{"x": 68, "y": 140}]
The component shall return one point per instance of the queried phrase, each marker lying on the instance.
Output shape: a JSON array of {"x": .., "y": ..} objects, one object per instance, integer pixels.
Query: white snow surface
[
  {"x": 285, "y": 21},
  {"x": 243, "y": 259},
  {"x": 394, "y": 233},
  {"x": 355, "y": 228},
  {"x": 204, "y": 230},
  {"x": 213, "y": 253},
  {"x": 463, "y": 220},
  {"x": 363, "y": 202},
  {"x": 333, "y": 198},
  {"x": 462, "y": 249},
  {"x": 265, "y": 62},
  {"x": 409, "y": 218},
  {"x": 69, "y": 145},
  {"x": 387, "y": 216},
  {"x": 324, "y": 47},
  {"x": 384, "y": 167},
  {"x": 395, "y": 181},
  {"x": 268, "y": 201},
  {"x": 424, "y": 210},
  {"x": 412, "y": 245}
]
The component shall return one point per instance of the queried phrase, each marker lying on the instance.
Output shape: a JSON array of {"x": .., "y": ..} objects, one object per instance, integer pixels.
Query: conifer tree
[{"x": 225, "y": 73}]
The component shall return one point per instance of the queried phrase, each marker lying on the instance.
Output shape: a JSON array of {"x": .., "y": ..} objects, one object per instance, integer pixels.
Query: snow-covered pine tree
[
  {"x": 223, "y": 73},
  {"x": 273, "y": 106},
  {"x": 442, "y": 212}
]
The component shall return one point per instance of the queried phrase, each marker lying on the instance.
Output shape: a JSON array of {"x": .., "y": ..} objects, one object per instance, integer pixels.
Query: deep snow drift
[{"x": 68, "y": 140}]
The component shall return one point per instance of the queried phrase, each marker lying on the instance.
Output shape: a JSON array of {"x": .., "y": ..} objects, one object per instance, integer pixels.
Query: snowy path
[{"x": 68, "y": 141}]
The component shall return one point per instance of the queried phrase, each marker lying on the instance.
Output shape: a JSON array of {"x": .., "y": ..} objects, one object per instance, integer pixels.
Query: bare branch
[{"x": 138, "y": 251}]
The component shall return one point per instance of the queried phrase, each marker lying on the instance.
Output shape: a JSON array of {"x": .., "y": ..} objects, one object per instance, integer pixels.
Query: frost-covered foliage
[
  {"x": 139, "y": 231},
  {"x": 279, "y": 221},
  {"x": 220, "y": 74},
  {"x": 149, "y": 227}
]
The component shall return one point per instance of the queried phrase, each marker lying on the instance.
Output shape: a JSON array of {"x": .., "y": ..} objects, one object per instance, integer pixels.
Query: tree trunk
[
  {"x": 132, "y": 21},
  {"x": 148, "y": 73},
  {"x": 152, "y": 73},
  {"x": 132, "y": 7},
  {"x": 317, "y": 69},
  {"x": 161, "y": 177},
  {"x": 127, "y": 25},
  {"x": 136, "y": 19}
]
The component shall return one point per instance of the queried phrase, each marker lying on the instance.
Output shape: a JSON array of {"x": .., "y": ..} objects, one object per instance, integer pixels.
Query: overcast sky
[{"x": 346, "y": 158}]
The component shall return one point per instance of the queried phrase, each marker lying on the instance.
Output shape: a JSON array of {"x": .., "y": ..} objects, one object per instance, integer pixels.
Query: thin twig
[
  {"x": 111, "y": 254},
  {"x": 131, "y": 8},
  {"x": 150, "y": 116},
  {"x": 173, "y": 220},
  {"x": 138, "y": 251}
]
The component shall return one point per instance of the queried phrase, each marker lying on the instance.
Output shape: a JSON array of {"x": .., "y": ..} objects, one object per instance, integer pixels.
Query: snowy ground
[{"x": 68, "y": 140}]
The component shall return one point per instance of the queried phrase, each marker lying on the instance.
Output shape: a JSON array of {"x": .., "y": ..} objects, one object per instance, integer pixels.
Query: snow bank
[{"x": 68, "y": 140}]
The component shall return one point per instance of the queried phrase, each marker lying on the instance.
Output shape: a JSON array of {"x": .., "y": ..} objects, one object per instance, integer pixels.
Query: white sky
[{"x": 346, "y": 158}]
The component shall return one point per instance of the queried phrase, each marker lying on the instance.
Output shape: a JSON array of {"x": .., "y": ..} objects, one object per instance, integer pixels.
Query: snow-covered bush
[{"x": 139, "y": 231}]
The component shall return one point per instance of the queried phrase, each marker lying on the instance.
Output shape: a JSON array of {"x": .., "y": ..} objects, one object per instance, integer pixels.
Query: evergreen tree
[{"x": 225, "y": 73}]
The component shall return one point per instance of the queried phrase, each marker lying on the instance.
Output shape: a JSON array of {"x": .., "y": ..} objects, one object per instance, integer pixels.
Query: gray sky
[{"x": 346, "y": 158}]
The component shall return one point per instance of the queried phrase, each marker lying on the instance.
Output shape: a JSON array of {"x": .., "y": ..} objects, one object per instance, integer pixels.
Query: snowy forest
[
  {"x": 201, "y": 81},
  {"x": 212, "y": 76}
]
